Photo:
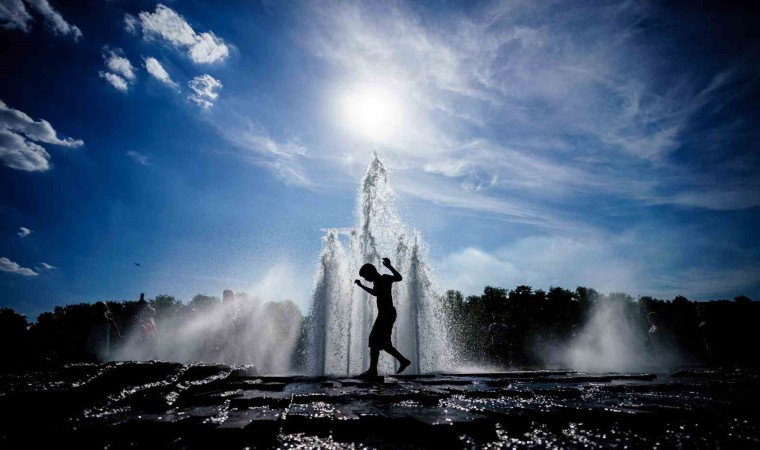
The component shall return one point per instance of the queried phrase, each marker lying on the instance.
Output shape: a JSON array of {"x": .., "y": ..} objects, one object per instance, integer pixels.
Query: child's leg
[
  {"x": 374, "y": 353},
  {"x": 403, "y": 363},
  {"x": 393, "y": 352}
]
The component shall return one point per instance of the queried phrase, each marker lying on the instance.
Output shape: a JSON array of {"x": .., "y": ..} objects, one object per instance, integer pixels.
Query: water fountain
[{"x": 342, "y": 313}]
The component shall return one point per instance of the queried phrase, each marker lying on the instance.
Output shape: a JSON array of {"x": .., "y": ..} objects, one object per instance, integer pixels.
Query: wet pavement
[{"x": 167, "y": 405}]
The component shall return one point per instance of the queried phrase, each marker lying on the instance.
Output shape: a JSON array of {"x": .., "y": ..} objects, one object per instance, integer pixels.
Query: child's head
[{"x": 369, "y": 272}]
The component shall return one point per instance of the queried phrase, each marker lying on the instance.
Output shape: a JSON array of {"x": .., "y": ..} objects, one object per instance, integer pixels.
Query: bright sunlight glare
[{"x": 373, "y": 112}]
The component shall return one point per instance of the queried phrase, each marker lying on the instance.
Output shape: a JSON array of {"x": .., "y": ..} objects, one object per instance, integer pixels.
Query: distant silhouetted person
[
  {"x": 705, "y": 328},
  {"x": 498, "y": 341},
  {"x": 141, "y": 304},
  {"x": 226, "y": 335},
  {"x": 658, "y": 335},
  {"x": 149, "y": 330},
  {"x": 99, "y": 339},
  {"x": 380, "y": 336},
  {"x": 719, "y": 334}
]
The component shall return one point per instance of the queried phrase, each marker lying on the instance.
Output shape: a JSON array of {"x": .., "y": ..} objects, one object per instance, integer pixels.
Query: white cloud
[
  {"x": 130, "y": 23},
  {"x": 6, "y": 265},
  {"x": 54, "y": 19},
  {"x": 41, "y": 131},
  {"x": 18, "y": 153},
  {"x": 121, "y": 70},
  {"x": 139, "y": 158},
  {"x": 166, "y": 24},
  {"x": 19, "y": 138},
  {"x": 14, "y": 15},
  {"x": 204, "y": 89},
  {"x": 157, "y": 70},
  {"x": 115, "y": 81},
  {"x": 45, "y": 266},
  {"x": 24, "y": 232},
  {"x": 117, "y": 63},
  {"x": 208, "y": 49}
]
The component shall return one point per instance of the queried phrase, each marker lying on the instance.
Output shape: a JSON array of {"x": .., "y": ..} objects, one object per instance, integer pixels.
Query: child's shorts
[{"x": 380, "y": 336}]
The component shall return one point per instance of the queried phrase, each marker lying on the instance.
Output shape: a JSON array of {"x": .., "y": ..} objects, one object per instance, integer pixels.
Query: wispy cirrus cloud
[
  {"x": 20, "y": 139},
  {"x": 45, "y": 266},
  {"x": 525, "y": 95},
  {"x": 139, "y": 158},
  {"x": 166, "y": 24},
  {"x": 14, "y": 15},
  {"x": 6, "y": 265},
  {"x": 285, "y": 158}
]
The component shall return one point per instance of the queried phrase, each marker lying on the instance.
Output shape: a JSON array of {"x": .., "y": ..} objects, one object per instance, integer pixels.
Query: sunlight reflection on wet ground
[{"x": 149, "y": 404}]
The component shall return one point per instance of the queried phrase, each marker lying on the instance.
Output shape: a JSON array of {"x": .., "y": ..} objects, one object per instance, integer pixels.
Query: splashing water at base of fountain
[
  {"x": 243, "y": 331},
  {"x": 608, "y": 342},
  {"x": 342, "y": 313}
]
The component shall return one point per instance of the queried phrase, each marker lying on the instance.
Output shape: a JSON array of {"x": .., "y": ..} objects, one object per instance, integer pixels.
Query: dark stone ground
[{"x": 166, "y": 405}]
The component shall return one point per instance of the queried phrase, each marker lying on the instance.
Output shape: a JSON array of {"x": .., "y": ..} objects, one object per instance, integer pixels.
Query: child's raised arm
[
  {"x": 396, "y": 275},
  {"x": 370, "y": 290}
]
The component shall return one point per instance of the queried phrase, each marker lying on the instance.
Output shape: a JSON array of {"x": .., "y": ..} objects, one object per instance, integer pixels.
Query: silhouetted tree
[
  {"x": 166, "y": 306},
  {"x": 742, "y": 299},
  {"x": 14, "y": 335},
  {"x": 586, "y": 297},
  {"x": 203, "y": 302}
]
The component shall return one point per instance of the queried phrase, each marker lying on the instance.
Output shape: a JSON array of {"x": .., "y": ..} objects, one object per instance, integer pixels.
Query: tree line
[
  {"x": 508, "y": 328},
  {"x": 518, "y": 327},
  {"x": 64, "y": 335}
]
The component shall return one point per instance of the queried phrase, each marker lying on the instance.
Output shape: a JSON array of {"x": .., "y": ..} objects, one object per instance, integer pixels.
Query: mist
[
  {"x": 613, "y": 338},
  {"x": 237, "y": 331}
]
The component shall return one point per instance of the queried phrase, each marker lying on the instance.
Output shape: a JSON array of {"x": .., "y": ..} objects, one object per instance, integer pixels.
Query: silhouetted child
[{"x": 380, "y": 336}]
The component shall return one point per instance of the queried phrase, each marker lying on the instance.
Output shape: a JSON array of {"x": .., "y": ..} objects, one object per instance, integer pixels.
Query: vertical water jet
[{"x": 342, "y": 315}]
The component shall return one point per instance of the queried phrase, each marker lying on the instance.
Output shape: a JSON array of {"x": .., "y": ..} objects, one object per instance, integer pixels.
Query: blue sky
[{"x": 605, "y": 144}]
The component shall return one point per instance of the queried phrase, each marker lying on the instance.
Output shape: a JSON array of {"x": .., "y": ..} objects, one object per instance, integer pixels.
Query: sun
[{"x": 372, "y": 111}]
